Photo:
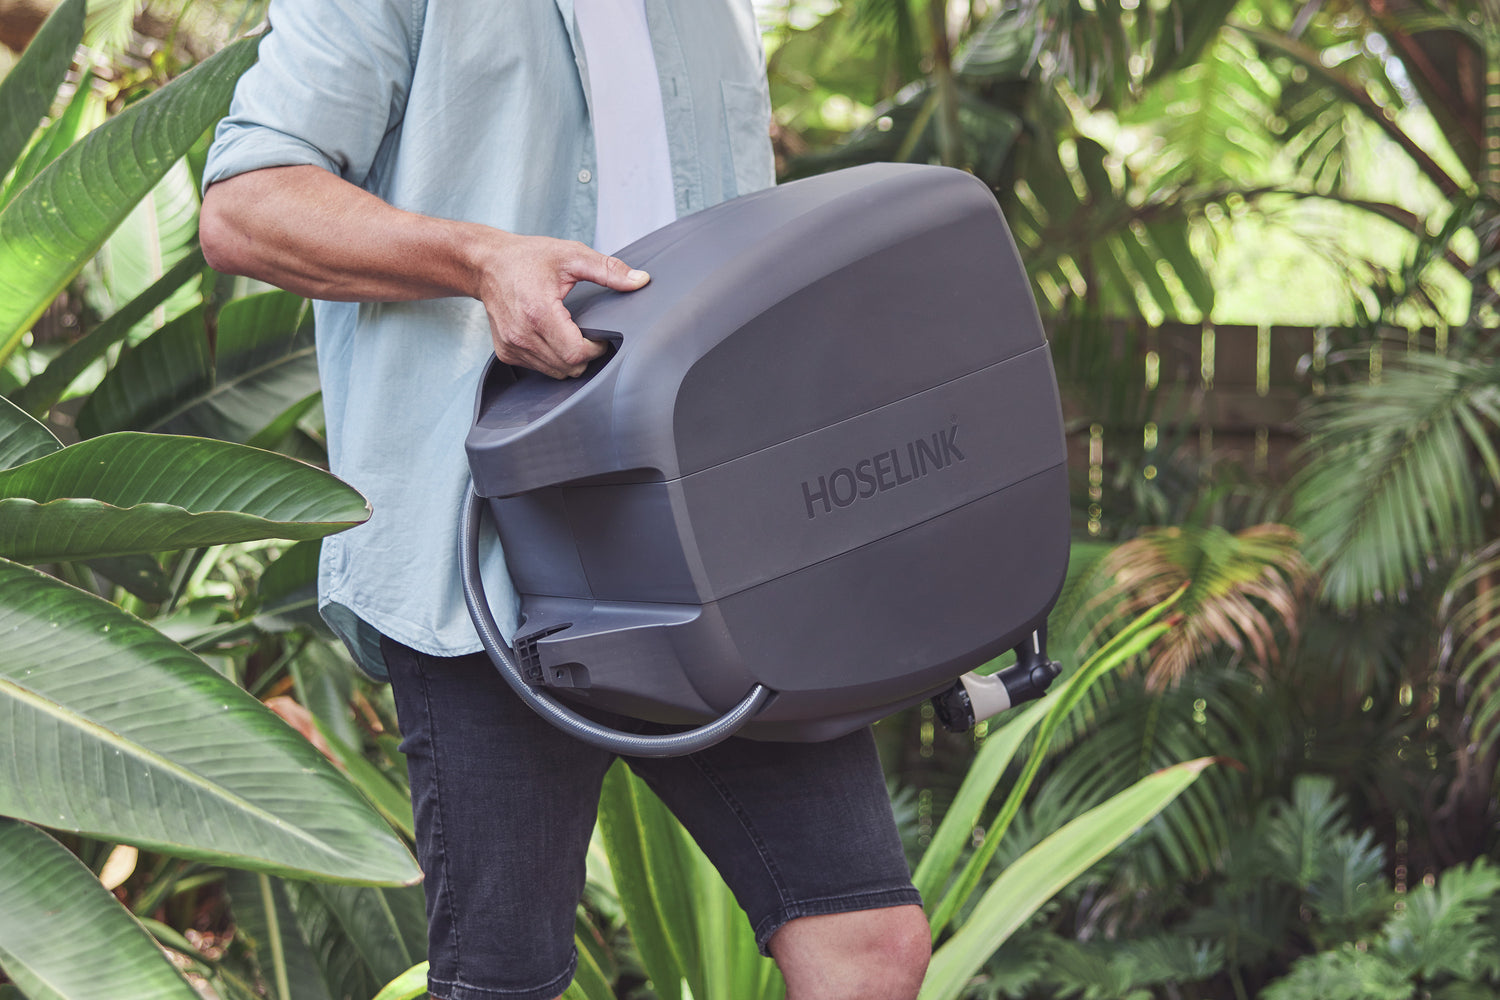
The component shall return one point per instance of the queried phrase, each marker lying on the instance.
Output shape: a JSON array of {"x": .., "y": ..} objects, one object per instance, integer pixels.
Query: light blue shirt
[{"x": 476, "y": 111}]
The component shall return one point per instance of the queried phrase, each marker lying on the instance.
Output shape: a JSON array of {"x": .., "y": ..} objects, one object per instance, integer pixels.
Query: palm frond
[
  {"x": 1217, "y": 711},
  {"x": 1241, "y": 588},
  {"x": 1470, "y": 649},
  {"x": 1217, "y": 119},
  {"x": 1390, "y": 484},
  {"x": 1106, "y": 50}
]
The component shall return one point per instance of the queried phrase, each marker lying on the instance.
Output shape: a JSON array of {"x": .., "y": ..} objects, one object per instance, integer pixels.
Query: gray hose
[{"x": 548, "y": 707}]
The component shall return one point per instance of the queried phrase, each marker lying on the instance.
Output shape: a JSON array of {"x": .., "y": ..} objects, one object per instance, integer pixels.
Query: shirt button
[{"x": 584, "y": 176}]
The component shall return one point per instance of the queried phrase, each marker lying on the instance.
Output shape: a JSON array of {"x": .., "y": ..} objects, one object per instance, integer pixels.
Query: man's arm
[{"x": 304, "y": 229}]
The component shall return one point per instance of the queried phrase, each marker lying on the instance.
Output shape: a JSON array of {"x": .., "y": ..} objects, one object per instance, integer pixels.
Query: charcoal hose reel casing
[{"x": 825, "y": 456}]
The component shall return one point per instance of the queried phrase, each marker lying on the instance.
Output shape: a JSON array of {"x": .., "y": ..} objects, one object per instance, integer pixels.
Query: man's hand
[
  {"x": 305, "y": 230},
  {"x": 522, "y": 281}
]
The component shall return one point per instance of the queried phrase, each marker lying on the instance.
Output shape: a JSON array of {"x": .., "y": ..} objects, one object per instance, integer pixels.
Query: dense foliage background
[{"x": 1226, "y": 168}]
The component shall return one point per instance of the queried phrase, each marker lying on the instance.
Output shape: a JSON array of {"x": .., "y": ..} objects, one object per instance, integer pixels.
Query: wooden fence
[{"x": 1226, "y": 394}]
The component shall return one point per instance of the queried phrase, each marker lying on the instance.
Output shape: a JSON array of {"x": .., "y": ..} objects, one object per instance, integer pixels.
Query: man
[{"x": 431, "y": 172}]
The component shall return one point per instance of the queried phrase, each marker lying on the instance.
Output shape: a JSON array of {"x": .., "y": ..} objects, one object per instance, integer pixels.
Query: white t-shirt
[{"x": 634, "y": 171}]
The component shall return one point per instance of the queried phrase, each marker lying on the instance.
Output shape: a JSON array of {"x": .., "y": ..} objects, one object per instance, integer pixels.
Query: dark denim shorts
[{"x": 505, "y": 805}]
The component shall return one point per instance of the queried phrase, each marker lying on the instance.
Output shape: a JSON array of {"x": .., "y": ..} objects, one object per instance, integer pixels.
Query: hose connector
[{"x": 976, "y": 697}]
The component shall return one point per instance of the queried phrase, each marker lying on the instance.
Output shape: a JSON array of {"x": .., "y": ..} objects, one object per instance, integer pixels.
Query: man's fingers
[
  {"x": 611, "y": 272},
  {"x": 561, "y": 350}
]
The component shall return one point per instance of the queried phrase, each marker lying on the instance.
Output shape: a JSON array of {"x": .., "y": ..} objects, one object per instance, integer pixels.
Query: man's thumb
[{"x": 611, "y": 272}]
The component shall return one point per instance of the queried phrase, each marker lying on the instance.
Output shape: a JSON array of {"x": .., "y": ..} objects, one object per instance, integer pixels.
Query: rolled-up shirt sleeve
[{"x": 330, "y": 85}]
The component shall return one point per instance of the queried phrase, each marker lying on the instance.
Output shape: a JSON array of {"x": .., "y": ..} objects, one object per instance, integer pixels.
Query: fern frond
[
  {"x": 1345, "y": 974},
  {"x": 1441, "y": 931}
]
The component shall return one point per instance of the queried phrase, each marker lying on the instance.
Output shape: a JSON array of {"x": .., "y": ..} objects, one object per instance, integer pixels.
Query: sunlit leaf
[
  {"x": 1046, "y": 869},
  {"x": 49, "y": 230},
  {"x": 126, "y": 493},
  {"x": 408, "y": 986}
]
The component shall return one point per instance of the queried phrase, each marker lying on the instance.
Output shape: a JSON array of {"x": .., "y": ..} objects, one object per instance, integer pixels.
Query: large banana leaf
[
  {"x": 22, "y": 438},
  {"x": 267, "y": 929},
  {"x": 84, "y": 110},
  {"x": 659, "y": 923},
  {"x": 114, "y": 731},
  {"x": 147, "y": 380},
  {"x": 63, "y": 936},
  {"x": 27, "y": 90},
  {"x": 262, "y": 365},
  {"x": 159, "y": 232},
  {"x": 1044, "y": 871},
  {"x": 50, "y": 229},
  {"x": 316, "y": 941},
  {"x": 126, "y": 493}
]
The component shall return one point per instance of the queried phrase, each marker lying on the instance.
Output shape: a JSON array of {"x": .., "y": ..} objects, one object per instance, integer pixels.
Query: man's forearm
[{"x": 305, "y": 230}]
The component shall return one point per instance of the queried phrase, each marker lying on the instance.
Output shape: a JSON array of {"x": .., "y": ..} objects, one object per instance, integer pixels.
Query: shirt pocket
[{"x": 747, "y": 122}]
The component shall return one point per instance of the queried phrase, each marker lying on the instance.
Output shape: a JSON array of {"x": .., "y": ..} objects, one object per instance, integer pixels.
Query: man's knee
[{"x": 870, "y": 954}]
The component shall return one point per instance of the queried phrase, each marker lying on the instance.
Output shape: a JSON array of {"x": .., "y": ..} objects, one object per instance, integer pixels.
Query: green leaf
[
  {"x": 114, "y": 731},
  {"x": 110, "y": 24},
  {"x": 266, "y": 927},
  {"x": 127, "y": 493},
  {"x": 264, "y": 368},
  {"x": 408, "y": 986},
  {"x": 26, "y": 92},
  {"x": 1171, "y": 239},
  {"x": 393, "y": 802},
  {"x": 84, "y": 110},
  {"x": 1347, "y": 973},
  {"x": 274, "y": 435},
  {"x": 147, "y": 381},
  {"x": 360, "y": 936},
  {"x": 1130, "y": 641},
  {"x": 629, "y": 836},
  {"x": 1442, "y": 932},
  {"x": 956, "y": 831},
  {"x": 139, "y": 574},
  {"x": 292, "y": 574},
  {"x": 36, "y": 396},
  {"x": 597, "y": 968},
  {"x": 158, "y": 233},
  {"x": 1045, "y": 870},
  {"x": 63, "y": 936},
  {"x": 22, "y": 438},
  {"x": 49, "y": 230},
  {"x": 1390, "y": 485},
  {"x": 691, "y": 933}
]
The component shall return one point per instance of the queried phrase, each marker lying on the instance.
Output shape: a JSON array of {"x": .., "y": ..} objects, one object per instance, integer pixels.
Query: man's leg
[
  {"x": 803, "y": 834},
  {"x": 504, "y": 807},
  {"x": 862, "y": 955}
]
